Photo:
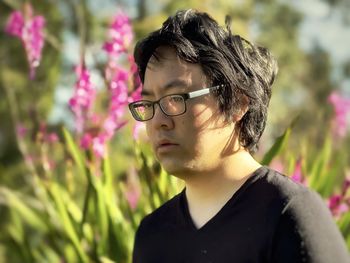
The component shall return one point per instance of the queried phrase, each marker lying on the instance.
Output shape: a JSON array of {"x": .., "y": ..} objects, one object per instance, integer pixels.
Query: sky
[{"x": 325, "y": 26}]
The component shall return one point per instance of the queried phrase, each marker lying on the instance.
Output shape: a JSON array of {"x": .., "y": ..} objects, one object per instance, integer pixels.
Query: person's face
[{"x": 196, "y": 141}]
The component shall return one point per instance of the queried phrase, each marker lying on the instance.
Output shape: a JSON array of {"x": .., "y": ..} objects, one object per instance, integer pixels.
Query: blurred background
[{"x": 76, "y": 173}]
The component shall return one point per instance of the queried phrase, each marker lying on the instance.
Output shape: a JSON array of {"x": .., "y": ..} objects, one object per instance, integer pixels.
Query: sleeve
[{"x": 307, "y": 232}]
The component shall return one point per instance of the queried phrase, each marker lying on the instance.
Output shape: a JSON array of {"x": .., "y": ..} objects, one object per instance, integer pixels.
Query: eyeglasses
[{"x": 171, "y": 105}]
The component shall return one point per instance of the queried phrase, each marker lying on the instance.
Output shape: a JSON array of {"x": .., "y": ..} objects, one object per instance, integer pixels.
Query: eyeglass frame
[{"x": 185, "y": 96}]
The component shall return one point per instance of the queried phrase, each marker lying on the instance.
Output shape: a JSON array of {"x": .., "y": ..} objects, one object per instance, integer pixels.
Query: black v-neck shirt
[{"x": 270, "y": 218}]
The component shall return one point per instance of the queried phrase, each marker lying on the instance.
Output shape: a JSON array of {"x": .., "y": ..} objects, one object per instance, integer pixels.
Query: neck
[{"x": 215, "y": 188}]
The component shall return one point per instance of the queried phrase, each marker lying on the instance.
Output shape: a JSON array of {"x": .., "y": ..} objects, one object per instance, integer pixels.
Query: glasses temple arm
[{"x": 201, "y": 92}]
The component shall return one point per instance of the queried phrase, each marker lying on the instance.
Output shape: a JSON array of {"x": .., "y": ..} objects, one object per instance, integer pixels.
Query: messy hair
[{"x": 245, "y": 70}]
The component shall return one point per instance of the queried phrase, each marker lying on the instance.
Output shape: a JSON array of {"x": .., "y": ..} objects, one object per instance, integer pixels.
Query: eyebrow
[{"x": 170, "y": 85}]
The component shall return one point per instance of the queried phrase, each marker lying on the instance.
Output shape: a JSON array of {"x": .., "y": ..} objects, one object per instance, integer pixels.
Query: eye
[
  {"x": 142, "y": 104},
  {"x": 175, "y": 99}
]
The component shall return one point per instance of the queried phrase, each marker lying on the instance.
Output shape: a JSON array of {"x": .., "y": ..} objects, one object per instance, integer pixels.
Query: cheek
[{"x": 201, "y": 118}]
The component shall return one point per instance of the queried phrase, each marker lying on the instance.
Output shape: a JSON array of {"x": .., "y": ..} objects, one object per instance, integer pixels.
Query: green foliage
[{"x": 279, "y": 145}]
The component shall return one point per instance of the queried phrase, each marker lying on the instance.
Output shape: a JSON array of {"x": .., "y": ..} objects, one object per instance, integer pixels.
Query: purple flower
[
  {"x": 30, "y": 31},
  {"x": 341, "y": 108}
]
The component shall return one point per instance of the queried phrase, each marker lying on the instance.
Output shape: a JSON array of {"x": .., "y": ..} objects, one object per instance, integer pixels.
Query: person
[{"x": 204, "y": 102}]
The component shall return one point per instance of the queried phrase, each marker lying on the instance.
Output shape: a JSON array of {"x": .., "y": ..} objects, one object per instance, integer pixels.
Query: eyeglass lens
[{"x": 171, "y": 105}]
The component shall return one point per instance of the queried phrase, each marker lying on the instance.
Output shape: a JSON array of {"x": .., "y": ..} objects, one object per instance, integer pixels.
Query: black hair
[{"x": 244, "y": 69}]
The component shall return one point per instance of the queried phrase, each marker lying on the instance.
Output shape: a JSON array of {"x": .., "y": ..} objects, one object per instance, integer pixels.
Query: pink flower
[
  {"x": 119, "y": 85},
  {"x": 341, "y": 108},
  {"x": 138, "y": 127},
  {"x": 340, "y": 203},
  {"x": 297, "y": 175},
  {"x": 110, "y": 125},
  {"x": 337, "y": 206},
  {"x": 98, "y": 146},
  {"x": 46, "y": 137},
  {"x": 15, "y": 24},
  {"x": 120, "y": 34},
  {"x": 86, "y": 141},
  {"x": 132, "y": 196},
  {"x": 83, "y": 98},
  {"x": 52, "y": 137},
  {"x": 118, "y": 88},
  {"x": 30, "y": 31},
  {"x": 346, "y": 185}
]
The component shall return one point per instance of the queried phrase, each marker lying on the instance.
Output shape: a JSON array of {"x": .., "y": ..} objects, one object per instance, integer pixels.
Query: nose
[{"x": 160, "y": 120}]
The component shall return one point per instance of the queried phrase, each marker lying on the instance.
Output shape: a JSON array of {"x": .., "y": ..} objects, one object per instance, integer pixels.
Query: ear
[{"x": 244, "y": 107}]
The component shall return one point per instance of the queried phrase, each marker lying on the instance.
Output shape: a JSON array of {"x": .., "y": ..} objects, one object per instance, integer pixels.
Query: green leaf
[
  {"x": 344, "y": 223},
  {"x": 102, "y": 216},
  {"x": 108, "y": 181},
  {"x": 15, "y": 228},
  {"x": 75, "y": 151},
  {"x": 319, "y": 167},
  {"x": 107, "y": 172},
  {"x": 66, "y": 221},
  {"x": 119, "y": 252},
  {"x": 279, "y": 144},
  {"x": 106, "y": 260},
  {"x": 27, "y": 214}
]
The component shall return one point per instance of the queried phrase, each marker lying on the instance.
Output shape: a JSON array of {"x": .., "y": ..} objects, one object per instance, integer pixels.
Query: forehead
[{"x": 166, "y": 67}]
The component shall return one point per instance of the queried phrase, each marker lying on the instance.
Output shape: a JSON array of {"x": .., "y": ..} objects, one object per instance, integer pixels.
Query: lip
[{"x": 165, "y": 145}]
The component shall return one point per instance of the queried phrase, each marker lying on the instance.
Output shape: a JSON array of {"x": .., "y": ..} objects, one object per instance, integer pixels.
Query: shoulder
[
  {"x": 273, "y": 186},
  {"x": 282, "y": 184},
  {"x": 297, "y": 198},
  {"x": 277, "y": 190},
  {"x": 305, "y": 228}
]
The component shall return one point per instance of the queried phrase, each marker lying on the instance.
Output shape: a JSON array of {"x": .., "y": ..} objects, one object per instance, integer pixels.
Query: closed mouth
[{"x": 165, "y": 144}]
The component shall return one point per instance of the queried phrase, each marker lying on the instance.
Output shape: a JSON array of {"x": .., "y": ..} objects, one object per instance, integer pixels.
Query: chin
[
  {"x": 177, "y": 170},
  {"x": 172, "y": 169}
]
